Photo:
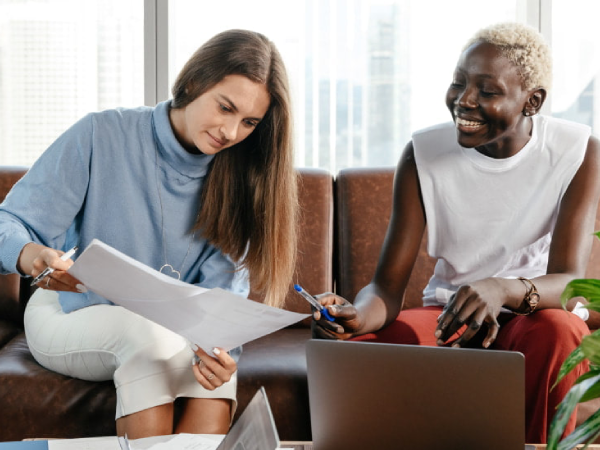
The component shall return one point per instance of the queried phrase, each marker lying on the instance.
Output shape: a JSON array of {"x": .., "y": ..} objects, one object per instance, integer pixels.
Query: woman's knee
[
  {"x": 205, "y": 416},
  {"x": 551, "y": 332},
  {"x": 559, "y": 325},
  {"x": 413, "y": 326}
]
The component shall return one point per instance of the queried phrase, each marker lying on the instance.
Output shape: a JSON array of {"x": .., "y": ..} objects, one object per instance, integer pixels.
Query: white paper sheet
[
  {"x": 207, "y": 318},
  {"x": 171, "y": 442},
  {"x": 178, "y": 442},
  {"x": 97, "y": 443},
  {"x": 175, "y": 442}
]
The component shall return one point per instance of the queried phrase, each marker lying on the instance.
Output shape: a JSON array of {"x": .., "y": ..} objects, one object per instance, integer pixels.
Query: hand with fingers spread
[
  {"x": 346, "y": 318},
  {"x": 34, "y": 259},
  {"x": 474, "y": 305},
  {"x": 212, "y": 371}
]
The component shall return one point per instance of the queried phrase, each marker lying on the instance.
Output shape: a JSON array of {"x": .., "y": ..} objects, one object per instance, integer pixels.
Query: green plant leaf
[
  {"x": 589, "y": 288},
  {"x": 586, "y": 432},
  {"x": 593, "y": 306},
  {"x": 590, "y": 345},
  {"x": 572, "y": 360},
  {"x": 569, "y": 364},
  {"x": 592, "y": 393},
  {"x": 566, "y": 408},
  {"x": 594, "y": 370}
]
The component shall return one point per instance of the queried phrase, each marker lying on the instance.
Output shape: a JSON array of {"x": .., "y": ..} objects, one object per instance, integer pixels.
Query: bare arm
[
  {"x": 380, "y": 302},
  {"x": 573, "y": 234},
  {"x": 480, "y": 302}
]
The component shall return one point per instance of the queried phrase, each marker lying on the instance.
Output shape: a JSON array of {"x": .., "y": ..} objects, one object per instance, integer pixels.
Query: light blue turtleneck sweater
[{"x": 100, "y": 179}]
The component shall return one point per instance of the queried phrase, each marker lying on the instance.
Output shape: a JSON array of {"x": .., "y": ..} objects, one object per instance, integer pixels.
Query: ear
[{"x": 535, "y": 101}]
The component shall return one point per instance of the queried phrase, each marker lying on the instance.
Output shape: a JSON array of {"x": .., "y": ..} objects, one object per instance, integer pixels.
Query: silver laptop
[{"x": 386, "y": 396}]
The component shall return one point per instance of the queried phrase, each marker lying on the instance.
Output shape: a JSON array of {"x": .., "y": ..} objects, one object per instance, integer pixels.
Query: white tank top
[{"x": 491, "y": 217}]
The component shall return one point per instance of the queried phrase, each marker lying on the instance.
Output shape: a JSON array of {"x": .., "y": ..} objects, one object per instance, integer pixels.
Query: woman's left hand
[
  {"x": 213, "y": 371},
  {"x": 472, "y": 305}
]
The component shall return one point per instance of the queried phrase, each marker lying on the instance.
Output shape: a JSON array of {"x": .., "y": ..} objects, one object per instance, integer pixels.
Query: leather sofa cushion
[{"x": 363, "y": 208}]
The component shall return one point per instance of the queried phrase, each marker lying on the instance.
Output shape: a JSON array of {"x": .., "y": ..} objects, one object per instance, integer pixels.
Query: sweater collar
[{"x": 169, "y": 148}]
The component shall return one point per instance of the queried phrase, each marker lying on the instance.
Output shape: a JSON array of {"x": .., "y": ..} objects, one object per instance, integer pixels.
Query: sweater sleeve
[
  {"x": 218, "y": 270},
  {"x": 44, "y": 204}
]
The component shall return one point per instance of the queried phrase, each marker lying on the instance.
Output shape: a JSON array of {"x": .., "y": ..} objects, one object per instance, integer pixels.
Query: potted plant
[{"x": 587, "y": 386}]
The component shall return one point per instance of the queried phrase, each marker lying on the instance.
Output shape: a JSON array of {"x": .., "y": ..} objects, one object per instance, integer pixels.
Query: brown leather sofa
[{"x": 343, "y": 223}]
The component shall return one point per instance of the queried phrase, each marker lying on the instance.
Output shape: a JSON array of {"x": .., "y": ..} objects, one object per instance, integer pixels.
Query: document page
[
  {"x": 206, "y": 317},
  {"x": 96, "y": 443},
  {"x": 169, "y": 442},
  {"x": 255, "y": 429}
]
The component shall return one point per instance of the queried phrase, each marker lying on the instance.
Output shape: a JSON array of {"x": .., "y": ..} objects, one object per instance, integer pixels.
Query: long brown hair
[{"x": 249, "y": 202}]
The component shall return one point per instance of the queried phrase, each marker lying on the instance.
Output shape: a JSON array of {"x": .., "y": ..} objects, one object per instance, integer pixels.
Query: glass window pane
[
  {"x": 60, "y": 59},
  {"x": 575, "y": 92},
  {"x": 364, "y": 73}
]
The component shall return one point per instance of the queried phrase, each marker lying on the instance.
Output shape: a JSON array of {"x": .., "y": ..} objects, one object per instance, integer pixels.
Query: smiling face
[
  {"x": 488, "y": 102},
  {"x": 222, "y": 116}
]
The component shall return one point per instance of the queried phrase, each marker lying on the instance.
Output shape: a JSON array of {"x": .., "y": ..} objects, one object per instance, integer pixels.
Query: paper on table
[
  {"x": 178, "y": 442},
  {"x": 170, "y": 442},
  {"x": 207, "y": 318},
  {"x": 95, "y": 443},
  {"x": 175, "y": 442},
  {"x": 255, "y": 428}
]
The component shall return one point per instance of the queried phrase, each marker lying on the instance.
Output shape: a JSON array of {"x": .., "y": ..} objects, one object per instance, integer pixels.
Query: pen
[
  {"x": 124, "y": 442},
  {"x": 313, "y": 301},
  {"x": 48, "y": 270}
]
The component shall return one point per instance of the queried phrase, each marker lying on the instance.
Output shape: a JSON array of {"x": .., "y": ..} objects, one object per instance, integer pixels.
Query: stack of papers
[
  {"x": 178, "y": 441},
  {"x": 171, "y": 442},
  {"x": 255, "y": 428},
  {"x": 206, "y": 317}
]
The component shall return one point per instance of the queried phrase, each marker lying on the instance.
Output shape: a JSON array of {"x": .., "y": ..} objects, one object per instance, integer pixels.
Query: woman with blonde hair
[
  {"x": 201, "y": 187},
  {"x": 509, "y": 198}
]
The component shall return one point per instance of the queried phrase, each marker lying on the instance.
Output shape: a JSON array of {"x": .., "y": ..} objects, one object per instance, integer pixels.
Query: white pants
[{"x": 149, "y": 364}]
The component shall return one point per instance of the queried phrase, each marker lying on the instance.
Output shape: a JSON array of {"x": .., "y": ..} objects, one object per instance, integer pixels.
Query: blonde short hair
[{"x": 525, "y": 47}]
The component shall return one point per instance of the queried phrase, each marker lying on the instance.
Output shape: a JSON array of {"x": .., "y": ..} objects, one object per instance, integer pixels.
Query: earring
[{"x": 526, "y": 113}]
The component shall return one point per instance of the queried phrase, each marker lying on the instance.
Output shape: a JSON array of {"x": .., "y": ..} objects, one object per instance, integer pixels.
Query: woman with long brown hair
[{"x": 201, "y": 187}]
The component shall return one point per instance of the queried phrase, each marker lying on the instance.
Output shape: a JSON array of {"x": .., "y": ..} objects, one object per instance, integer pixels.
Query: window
[
  {"x": 60, "y": 59},
  {"x": 576, "y": 55},
  {"x": 364, "y": 73}
]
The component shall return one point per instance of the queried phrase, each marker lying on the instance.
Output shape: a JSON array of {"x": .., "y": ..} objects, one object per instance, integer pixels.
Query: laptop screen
[{"x": 370, "y": 395}]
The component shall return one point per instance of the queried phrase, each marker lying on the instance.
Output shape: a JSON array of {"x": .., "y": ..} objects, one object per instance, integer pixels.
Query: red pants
[{"x": 546, "y": 338}]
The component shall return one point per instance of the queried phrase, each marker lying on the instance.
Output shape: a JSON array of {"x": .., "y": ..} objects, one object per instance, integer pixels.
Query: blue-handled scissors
[{"x": 313, "y": 301}]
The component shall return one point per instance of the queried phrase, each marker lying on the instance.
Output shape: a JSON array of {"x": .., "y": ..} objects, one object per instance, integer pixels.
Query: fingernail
[
  {"x": 216, "y": 351},
  {"x": 194, "y": 347},
  {"x": 455, "y": 346},
  {"x": 438, "y": 333},
  {"x": 81, "y": 288}
]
